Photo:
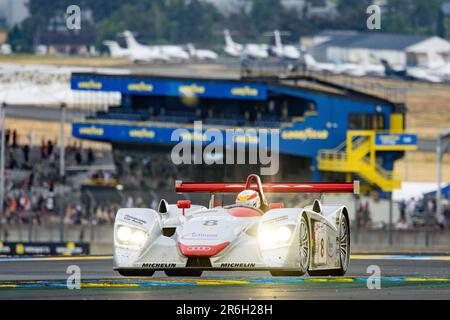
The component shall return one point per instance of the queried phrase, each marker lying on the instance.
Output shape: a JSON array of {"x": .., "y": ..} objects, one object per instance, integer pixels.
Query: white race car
[{"x": 185, "y": 239}]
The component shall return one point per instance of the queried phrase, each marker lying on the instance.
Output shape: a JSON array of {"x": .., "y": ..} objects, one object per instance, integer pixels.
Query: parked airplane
[
  {"x": 281, "y": 51},
  {"x": 5, "y": 49},
  {"x": 411, "y": 73},
  {"x": 171, "y": 52},
  {"x": 352, "y": 69},
  {"x": 135, "y": 55},
  {"x": 251, "y": 50},
  {"x": 438, "y": 67},
  {"x": 200, "y": 54},
  {"x": 115, "y": 50},
  {"x": 312, "y": 65}
]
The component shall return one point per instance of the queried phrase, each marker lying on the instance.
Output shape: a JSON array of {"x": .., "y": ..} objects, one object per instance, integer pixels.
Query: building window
[{"x": 366, "y": 122}]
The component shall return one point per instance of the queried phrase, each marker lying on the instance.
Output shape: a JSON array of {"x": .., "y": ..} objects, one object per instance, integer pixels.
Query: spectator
[
  {"x": 26, "y": 153},
  {"x": 13, "y": 164},
  {"x": 43, "y": 150},
  {"x": 14, "y": 139},
  {"x": 77, "y": 215},
  {"x": 7, "y": 136},
  {"x": 49, "y": 147},
  {"x": 410, "y": 209},
  {"x": 78, "y": 157},
  {"x": 360, "y": 216},
  {"x": 90, "y": 156},
  {"x": 402, "y": 208},
  {"x": 446, "y": 214},
  {"x": 366, "y": 211}
]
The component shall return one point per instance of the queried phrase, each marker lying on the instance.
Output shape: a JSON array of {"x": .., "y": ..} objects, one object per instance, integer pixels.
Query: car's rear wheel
[
  {"x": 136, "y": 273},
  {"x": 183, "y": 273},
  {"x": 344, "y": 252},
  {"x": 304, "y": 252}
]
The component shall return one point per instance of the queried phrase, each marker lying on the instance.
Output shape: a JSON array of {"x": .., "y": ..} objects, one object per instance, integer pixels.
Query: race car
[{"x": 184, "y": 239}]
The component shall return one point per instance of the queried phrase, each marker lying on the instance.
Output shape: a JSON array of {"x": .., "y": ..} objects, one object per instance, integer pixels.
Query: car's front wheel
[
  {"x": 304, "y": 252},
  {"x": 344, "y": 252}
]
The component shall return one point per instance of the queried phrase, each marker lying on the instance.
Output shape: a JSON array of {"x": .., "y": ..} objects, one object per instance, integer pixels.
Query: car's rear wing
[{"x": 272, "y": 187}]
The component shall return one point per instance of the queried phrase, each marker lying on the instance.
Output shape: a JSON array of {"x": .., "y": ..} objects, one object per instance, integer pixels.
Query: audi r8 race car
[{"x": 184, "y": 239}]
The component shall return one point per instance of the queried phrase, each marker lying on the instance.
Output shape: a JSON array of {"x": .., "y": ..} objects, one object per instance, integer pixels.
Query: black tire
[
  {"x": 136, "y": 273},
  {"x": 304, "y": 252},
  {"x": 344, "y": 250},
  {"x": 183, "y": 273}
]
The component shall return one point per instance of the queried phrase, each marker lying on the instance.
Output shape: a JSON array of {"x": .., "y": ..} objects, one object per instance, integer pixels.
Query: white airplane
[
  {"x": 411, "y": 73},
  {"x": 281, "y": 51},
  {"x": 251, "y": 50},
  {"x": 200, "y": 54},
  {"x": 6, "y": 49},
  {"x": 313, "y": 65},
  {"x": 171, "y": 52},
  {"x": 443, "y": 72},
  {"x": 135, "y": 55},
  {"x": 115, "y": 50},
  {"x": 351, "y": 69},
  {"x": 438, "y": 67}
]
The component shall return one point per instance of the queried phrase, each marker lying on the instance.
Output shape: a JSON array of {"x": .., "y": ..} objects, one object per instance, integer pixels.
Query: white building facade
[{"x": 371, "y": 47}]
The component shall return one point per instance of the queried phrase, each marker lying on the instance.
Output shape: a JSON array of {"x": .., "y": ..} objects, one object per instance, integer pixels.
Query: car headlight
[
  {"x": 124, "y": 234},
  {"x": 131, "y": 236},
  {"x": 270, "y": 237},
  {"x": 266, "y": 237},
  {"x": 138, "y": 237},
  {"x": 283, "y": 234}
]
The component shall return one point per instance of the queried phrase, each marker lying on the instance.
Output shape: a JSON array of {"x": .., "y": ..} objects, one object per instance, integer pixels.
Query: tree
[
  {"x": 440, "y": 25},
  {"x": 265, "y": 15}
]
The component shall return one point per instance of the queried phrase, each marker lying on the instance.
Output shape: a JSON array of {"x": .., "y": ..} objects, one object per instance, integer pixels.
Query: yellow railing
[{"x": 357, "y": 155}]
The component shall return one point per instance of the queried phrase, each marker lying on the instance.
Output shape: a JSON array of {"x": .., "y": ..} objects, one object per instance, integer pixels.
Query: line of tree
[{"x": 182, "y": 21}]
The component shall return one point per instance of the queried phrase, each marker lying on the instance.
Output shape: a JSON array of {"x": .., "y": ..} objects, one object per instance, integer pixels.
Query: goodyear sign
[
  {"x": 143, "y": 133},
  {"x": 140, "y": 86},
  {"x": 304, "y": 134},
  {"x": 299, "y": 141},
  {"x": 43, "y": 248},
  {"x": 394, "y": 141},
  {"x": 169, "y": 87},
  {"x": 119, "y": 132}
]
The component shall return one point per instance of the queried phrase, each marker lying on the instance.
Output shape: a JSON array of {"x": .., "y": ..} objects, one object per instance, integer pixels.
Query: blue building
[{"x": 326, "y": 132}]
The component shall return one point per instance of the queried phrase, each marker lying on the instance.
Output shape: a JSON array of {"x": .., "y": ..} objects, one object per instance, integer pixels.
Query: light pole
[
  {"x": 2, "y": 157},
  {"x": 62, "y": 170},
  {"x": 62, "y": 155}
]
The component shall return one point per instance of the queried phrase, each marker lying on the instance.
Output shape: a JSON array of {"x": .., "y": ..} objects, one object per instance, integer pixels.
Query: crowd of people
[
  {"x": 418, "y": 213},
  {"x": 415, "y": 214},
  {"x": 32, "y": 177},
  {"x": 150, "y": 172}
]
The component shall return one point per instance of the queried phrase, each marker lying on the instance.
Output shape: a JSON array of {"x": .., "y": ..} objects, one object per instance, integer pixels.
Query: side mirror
[
  {"x": 276, "y": 205},
  {"x": 163, "y": 207},
  {"x": 184, "y": 204}
]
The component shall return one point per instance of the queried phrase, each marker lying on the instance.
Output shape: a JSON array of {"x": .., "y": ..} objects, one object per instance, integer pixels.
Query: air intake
[{"x": 202, "y": 262}]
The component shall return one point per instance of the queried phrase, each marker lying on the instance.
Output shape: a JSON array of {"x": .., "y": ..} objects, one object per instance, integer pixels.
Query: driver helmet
[{"x": 248, "y": 198}]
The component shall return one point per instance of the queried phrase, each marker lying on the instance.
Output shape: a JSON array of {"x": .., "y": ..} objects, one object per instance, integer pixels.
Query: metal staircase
[{"x": 357, "y": 155}]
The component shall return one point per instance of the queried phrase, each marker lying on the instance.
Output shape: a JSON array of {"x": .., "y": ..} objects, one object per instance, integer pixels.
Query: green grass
[{"x": 63, "y": 60}]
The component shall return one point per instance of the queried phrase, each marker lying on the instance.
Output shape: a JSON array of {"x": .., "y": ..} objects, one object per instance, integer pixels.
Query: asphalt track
[{"x": 402, "y": 277}]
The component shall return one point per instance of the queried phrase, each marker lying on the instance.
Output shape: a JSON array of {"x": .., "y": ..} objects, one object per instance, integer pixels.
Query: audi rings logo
[{"x": 203, "y": 249}]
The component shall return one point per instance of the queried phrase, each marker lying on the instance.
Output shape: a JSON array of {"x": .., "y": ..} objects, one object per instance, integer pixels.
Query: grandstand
[{"x": 327, "y": 131}]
